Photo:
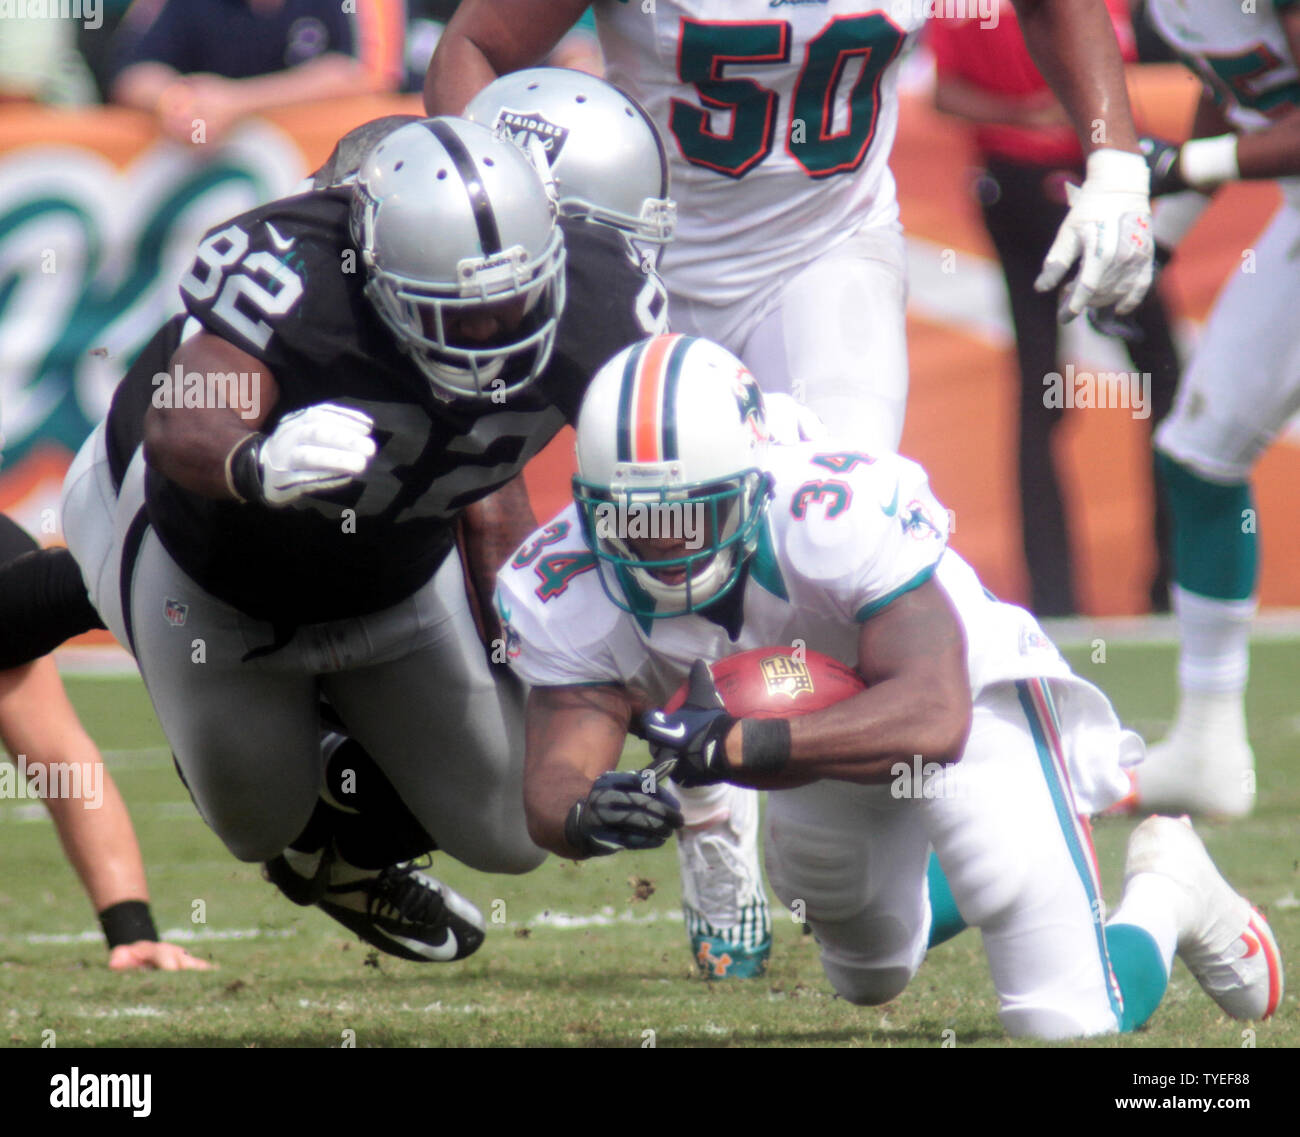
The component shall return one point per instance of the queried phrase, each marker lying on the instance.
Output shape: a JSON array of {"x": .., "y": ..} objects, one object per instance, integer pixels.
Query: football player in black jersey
[{"x": 371, "y": 362}]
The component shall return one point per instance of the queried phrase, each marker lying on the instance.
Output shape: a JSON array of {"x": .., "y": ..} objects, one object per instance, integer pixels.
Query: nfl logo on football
[
  {"x": 174, "y": 612},
  {"x": 785, "y": 675}
]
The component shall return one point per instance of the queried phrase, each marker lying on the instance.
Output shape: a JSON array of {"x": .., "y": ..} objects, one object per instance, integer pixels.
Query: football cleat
[
  {"x": 723, "y": 898},
  {"x": 404, "y": 912},
  {"x": 1225, "y": 943},
  {"x": 1208, "y": 774},
  {"x": 302, "y": 877}
]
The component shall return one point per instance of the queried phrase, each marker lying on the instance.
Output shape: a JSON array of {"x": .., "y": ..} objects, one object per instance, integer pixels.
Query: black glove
[
  {"x": 624, "y": 810},
  {"x": 688, "y": 742},
  {"x": 1162, "y": 159}
]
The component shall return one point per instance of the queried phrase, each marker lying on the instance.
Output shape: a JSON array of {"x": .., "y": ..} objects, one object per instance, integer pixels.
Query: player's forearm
[
  {"x": 1073, "y": 44},
  {"x": 494, "y": 528},
  {"x": 964, "y": 100},
  {"x": 190, "y": 446},
  {"x": 574, "y": 734},
  {"x": 487, "y": 38},
  {"x": 142, "y": 86},
  {"x": 99, "y": 839},
  {"x": 330, "y": 76},
  {"x": 1271, "y": 153},
  {"x": 862, "y": 738},
  {"x": 457, "y": 72}
]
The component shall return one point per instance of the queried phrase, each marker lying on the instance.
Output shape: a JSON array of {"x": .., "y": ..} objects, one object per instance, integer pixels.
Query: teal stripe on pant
[{"x": 1065, "y": 818}]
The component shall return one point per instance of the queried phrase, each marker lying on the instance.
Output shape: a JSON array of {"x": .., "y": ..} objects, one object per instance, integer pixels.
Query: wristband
[
  {"x": 243, "y": 478},
  {"x": 1205, "y": 162},
  {"x": 573, "y": 835},
  {"x": 128, "y": 923},
  {"x": 764, "y": 745}
]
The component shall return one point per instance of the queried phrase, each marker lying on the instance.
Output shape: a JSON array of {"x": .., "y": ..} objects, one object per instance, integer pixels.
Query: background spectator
[
  {"x": 217, "y": 61},
  {"x": 1029, "y": 151}
]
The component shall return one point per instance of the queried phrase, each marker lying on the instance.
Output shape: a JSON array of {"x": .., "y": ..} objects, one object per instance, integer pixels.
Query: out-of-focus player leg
[
  {"x": 834, "y": 337},
  {"x": 852, "y": 860},
  {"x": 1240, "y": 390}
]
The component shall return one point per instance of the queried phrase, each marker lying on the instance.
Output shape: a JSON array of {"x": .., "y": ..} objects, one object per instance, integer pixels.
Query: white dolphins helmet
[
  {"x": 449, "y": 219},
  {"x": 671, "y": 439},
  {"x": 605, "y": 157}
]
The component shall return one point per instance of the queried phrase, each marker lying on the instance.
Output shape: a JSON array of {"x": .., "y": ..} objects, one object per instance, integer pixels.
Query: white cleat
[
  {"x": 723, "y": 897},
  {"x": 1212, "y": 775},
  {"x": 1226, "y": 944}
]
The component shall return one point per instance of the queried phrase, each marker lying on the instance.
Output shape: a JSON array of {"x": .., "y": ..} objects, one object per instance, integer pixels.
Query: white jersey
[
  {"x": 1242, "y": 57},
  {"x": 846, "y": 534},
  {"x": 778, "y": 119}
]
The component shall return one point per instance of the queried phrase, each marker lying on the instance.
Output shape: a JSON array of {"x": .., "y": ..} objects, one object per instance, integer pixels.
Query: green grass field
[{"x": 579, "y": 955}]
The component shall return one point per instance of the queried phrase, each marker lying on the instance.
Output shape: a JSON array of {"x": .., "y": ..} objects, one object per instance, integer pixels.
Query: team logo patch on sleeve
[
  {"x": 917, "y": 523},
  {"x": 785, "y": 675}
]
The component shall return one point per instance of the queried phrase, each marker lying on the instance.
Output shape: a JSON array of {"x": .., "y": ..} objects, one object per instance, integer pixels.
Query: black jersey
[{"x": 285, "y": 284}]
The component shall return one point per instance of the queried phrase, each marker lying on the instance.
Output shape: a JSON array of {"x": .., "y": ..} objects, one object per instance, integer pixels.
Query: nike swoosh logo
[
  {"x": 281, "y": 245},
  {"x": 678, "y": 732},
  {"x": 440, "y": 953},
  {"x": 892, "y": 508},
  {"x": 1252, "y": 945}
]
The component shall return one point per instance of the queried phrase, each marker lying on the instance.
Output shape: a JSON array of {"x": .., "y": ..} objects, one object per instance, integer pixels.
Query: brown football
[{"x": 778, "y": 683}]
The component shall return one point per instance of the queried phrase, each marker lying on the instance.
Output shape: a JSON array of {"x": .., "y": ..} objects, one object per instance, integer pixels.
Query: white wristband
[{"x": 1205, "y": 162}]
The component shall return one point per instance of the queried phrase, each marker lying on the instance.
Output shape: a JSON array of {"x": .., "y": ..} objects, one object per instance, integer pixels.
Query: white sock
[
  {"x": 1213, "y": 663},
  {"x": 1215, "y": 637},
  {"x": 1153, "y": 903},
  {"x": 705, "y": 805}
]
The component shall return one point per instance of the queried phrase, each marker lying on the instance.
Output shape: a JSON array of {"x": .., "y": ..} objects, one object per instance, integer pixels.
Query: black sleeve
[
  {"x": 43, "y": 599},
  {"x": 613, "y": 300}
]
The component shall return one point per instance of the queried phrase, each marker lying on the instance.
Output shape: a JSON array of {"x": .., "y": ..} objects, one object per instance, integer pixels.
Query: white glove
[
  {"x": 1108, "y": 229},
  {"x": 314, "y": 449}
]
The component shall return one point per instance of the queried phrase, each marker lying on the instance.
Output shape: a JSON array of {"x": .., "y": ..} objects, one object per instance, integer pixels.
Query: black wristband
[
  {"x": 764, "y": 745},
  {"x": 573, "y": 834},
  {"x": 243, "y": 472},
  {"x": 128, "y": 923}
]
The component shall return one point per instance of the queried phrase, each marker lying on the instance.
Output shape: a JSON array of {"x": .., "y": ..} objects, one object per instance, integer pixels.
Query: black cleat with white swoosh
[{"x": 405, "y": 913}]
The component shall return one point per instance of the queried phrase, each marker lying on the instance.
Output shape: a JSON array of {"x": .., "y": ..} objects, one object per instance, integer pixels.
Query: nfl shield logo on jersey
[
  {"x": 785, "y": 675},
  {"x": 174, "y": 612}
]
